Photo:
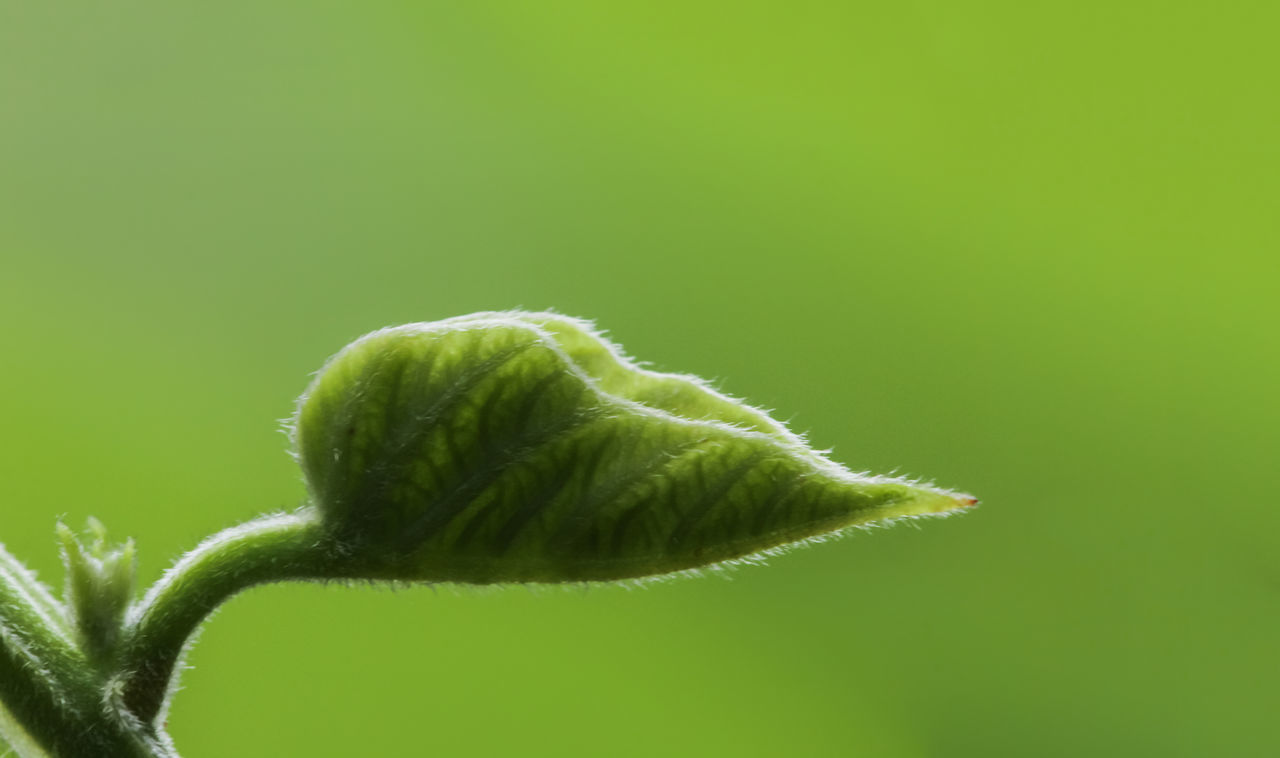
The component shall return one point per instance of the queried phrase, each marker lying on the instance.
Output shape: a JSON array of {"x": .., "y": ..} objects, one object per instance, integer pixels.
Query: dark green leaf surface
[{"x": 523, "y": 447}]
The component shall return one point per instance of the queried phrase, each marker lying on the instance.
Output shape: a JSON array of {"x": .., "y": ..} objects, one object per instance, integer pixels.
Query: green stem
[
  {"x": 49, "y": 695},
  {"x": 35, "y": 596},
  {"x": 37, "y": 654},
  {"x": 14, "y": 738},
  {"x": 160, "y": 627}
]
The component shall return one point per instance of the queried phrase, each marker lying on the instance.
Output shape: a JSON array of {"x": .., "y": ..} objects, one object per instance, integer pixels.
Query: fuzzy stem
[
  {"x": 49, "y": 695},
  {"x": 34, "y": 596},
  {"x": 38, "y": 659},
  {"x": 160, "y": 627},
  {"x": 14, "y": 737}
]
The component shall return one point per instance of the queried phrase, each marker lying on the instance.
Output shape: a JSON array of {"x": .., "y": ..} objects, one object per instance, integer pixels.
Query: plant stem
[
  {"x": 37, "y": 654},
  {"x": 15, "y": 739},
  {"x": 31, "y": 594},
  {"x": 160, "y": 627},
  {"x": 51, "y": 699}
]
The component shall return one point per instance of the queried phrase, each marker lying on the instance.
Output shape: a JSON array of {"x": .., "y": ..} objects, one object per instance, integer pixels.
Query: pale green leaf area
[{"x": 523, "y": 447}]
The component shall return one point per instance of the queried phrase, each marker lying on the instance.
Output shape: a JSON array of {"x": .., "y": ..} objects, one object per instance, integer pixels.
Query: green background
[{"x": 1027, "y": 250}]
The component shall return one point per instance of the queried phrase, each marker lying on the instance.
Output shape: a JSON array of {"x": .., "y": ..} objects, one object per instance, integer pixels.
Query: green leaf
[{"x": 523, "y": 447}]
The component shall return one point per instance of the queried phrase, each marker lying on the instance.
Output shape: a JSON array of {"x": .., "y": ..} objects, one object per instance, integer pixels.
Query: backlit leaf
[{"x": 523, "y": 447}]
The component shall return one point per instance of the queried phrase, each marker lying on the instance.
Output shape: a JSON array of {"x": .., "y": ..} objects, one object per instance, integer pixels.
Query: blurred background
[{"x": 1025, "y": 250}]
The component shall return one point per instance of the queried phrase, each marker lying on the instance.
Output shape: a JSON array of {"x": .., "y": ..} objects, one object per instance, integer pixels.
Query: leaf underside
[{"x": 523, "y": 447}]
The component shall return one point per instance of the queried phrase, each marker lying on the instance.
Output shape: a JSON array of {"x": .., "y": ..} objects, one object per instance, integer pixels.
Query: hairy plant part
[{"x": 504, "y": 447}]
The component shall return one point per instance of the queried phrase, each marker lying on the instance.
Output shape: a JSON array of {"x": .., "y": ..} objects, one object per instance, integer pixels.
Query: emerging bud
[{"x": 100, "y": 578}]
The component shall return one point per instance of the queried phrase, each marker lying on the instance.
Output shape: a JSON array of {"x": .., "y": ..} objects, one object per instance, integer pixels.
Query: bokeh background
[{"x": 1026, "y": 250}]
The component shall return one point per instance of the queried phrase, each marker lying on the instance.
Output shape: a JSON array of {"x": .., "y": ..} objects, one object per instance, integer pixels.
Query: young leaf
[{"x": 523, "y": 447}]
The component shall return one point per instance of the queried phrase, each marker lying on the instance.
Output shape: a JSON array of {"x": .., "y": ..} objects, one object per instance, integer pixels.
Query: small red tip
[{"x": 967, "y": 500}]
